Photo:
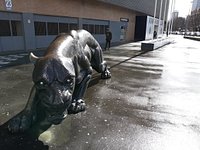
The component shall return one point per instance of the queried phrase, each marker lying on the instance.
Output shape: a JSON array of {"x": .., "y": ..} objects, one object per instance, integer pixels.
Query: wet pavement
[
  {"x": 10, "y": 59},
  {"x": 152, "y": 102}
]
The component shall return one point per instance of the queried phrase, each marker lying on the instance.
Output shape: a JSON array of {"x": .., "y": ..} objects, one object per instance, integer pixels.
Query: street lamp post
[
  {"x": 164, "y": 17},
  {"x": 172, "y": 17},
  {"x": 154, "y": 16},
  {"x": 160, "y": 18},
  {"x": 170, "y": 21}
]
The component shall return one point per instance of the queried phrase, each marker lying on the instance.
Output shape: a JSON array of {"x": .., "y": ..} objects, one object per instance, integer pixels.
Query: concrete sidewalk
[{"x": 150, "y": 103}]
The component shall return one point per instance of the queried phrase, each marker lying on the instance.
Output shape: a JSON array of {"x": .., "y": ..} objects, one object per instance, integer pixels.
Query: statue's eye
[
  {"x": 69, "y": 81},
  {"x": 41, "y": 84}
]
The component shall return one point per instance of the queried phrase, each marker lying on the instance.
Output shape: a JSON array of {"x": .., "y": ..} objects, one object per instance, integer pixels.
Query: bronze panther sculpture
[{"x": 61, "y": 78}]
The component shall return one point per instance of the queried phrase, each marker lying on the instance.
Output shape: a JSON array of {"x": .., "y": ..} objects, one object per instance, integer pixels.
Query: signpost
[
  {"x": 8, "y": 4},
  {"x": 124, "y": 19}
]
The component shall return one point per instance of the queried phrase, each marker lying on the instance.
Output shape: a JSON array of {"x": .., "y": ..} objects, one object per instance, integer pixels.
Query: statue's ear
[
  {"x": 33, "y": 58},
  {"x": 74, "y": 34}
]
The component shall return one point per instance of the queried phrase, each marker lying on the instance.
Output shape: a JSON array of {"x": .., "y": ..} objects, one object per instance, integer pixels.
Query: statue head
[{"x": 54, "y": 81}]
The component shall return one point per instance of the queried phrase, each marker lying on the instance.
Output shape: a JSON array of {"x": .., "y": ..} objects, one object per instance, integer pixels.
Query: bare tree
[
  {"x": 193, "y": 21},
  {"x": 179, "y": 24}
]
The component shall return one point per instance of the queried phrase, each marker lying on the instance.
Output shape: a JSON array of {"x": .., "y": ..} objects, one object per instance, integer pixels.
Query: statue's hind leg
[{"x": 99, "y": 64}]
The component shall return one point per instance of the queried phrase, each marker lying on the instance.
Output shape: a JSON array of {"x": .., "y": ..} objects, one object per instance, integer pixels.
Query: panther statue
[{"x": 60, "y": 79}]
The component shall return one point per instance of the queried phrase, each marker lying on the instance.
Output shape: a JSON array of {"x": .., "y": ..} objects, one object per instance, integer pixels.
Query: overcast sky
[{"x": 183, "y": 7}]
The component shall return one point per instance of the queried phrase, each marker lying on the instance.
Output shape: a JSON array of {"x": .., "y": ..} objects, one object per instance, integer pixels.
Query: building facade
[
  {"x": 27, "y": 25},
  {"x": 195, "y": 5}
]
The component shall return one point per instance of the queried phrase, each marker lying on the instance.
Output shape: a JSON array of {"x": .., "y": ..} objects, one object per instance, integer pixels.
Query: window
[
  {"x": 85, "y": 27},
  {"x": 40, "y": 28},
  {"x": 63, "y": 27},
  {"x": 91, "y": 28},
  {"x": 102, "y": 29},
  {"x": 52, "y": 28},
  {"x": 73, "y": 26},
  {"x": 5, "y": 28},
  {"x": 16, "y": 28},
  {"x": 106, "y": 27},
  {"x": 97, "y": 29}
]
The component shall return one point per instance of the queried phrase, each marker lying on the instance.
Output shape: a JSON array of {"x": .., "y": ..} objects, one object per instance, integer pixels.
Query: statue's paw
[
  {"x": 20, "y": 123},
  {"x": 77, "y": 106},
  {"x": 106, "y": 74}
]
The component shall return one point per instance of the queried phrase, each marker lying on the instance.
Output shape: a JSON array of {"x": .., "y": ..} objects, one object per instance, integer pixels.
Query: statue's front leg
[
  {"x": 23, "y": 121},
  {"x": 105, "y": 73},
  {"x": 78, "y": 104}
]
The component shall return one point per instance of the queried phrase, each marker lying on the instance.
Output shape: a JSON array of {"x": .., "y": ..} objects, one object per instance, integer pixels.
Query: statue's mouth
[{"x": 57, "y": 118}]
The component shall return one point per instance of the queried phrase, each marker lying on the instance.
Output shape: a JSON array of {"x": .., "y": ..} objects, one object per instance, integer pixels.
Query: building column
[
  {"x": 80, "y": 23},
  {"x": 29, "y": 31},
  {"x": 154, "y": 17}
]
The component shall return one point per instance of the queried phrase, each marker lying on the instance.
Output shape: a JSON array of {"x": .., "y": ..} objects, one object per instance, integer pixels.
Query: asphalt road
[{"x": 152, "y": 102}]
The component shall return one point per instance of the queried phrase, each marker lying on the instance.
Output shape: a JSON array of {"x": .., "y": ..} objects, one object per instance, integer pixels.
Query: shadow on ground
[{"x": 10, "y": 141}]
